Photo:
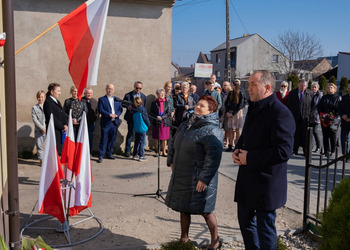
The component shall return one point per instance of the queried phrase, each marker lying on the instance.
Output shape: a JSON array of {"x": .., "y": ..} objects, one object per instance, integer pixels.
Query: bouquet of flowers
[{"x": 329, "y": 119}]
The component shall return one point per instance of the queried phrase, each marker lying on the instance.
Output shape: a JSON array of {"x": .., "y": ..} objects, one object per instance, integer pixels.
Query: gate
[{"x": 320, "y": 180}]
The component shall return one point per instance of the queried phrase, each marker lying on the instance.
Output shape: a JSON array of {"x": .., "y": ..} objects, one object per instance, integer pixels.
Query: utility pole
[{"x": 228, "y": 48}]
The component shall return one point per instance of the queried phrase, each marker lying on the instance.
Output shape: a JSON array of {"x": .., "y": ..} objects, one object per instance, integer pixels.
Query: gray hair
[
  {"x": 88, "y": 88},
  {"x": 185, "y": 84},
  {"x": 284, "y": 83},
  {"x": 267, "y": 78},
  {"x": 315, "y": 84},
  {"x": 159, "y": 90}
]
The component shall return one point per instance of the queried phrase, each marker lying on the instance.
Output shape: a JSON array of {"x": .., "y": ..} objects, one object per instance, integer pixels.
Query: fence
[{"x": 320, "y": 181}]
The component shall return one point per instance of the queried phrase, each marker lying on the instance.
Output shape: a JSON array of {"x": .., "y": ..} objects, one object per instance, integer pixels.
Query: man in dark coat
[
  {"x": 262, "y": 152},
  {"x": 299, "y": 103},
  {"x": 344, "y": 112},
  {"x": 128, "y": 101}
]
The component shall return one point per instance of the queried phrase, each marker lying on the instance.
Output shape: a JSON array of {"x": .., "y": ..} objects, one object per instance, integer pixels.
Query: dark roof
[
  {"x": 308, "y": 64},
  {"x": 345, "y": 53},
  {"x": 203, "y": 58},
  {"x": 186, "y": 71},
  {"x": 329, "y": 73}
]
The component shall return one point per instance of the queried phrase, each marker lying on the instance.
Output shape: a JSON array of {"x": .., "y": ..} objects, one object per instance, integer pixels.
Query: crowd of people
[{"x": 191, "y": 129}]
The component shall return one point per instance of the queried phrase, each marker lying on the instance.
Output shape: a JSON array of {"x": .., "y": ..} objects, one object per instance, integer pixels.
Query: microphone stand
[{"x": 128, "y": 104}]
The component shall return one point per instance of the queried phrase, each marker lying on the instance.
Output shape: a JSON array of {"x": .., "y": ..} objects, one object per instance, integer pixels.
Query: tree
[
  {"x": 343, "y": 87},
  {"x": 322, "y": 82},
  {"x": 332, "y": 79},
  {"x": 297, "y": 46},
  {"x": 309, "y": 84},
  {"x": 294, "y": 79}
]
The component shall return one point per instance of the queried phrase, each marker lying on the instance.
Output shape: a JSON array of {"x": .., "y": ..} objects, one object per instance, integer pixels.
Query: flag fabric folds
[
  {"x": 81, "y": 197},
  {"x": 82, "y": 31},
  {"x": 50, "y": 196},
  {"x": 67, "y": 156}
]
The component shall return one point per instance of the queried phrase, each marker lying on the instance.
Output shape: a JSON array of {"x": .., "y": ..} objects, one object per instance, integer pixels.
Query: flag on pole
[
  {"x": 82, "y": 170},
  {"x": 50, "y": 196},
  {"x": 67, "y": 156},
  {"x": 82, "y": 31}
]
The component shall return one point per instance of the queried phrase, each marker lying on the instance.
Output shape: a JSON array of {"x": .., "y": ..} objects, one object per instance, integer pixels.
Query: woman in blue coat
[{"x": 194, "y": 157}]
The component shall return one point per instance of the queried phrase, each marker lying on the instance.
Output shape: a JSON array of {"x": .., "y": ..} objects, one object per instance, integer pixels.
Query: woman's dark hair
[
  {"x": 212, "y": 103},
  {"x": 234, "y": 94},
  {"x": 51, "y": 86}
]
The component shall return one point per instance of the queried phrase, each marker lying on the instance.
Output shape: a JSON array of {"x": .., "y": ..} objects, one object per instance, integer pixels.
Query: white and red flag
[
  {"x": 82, "y": 170},
  {"x": 67, "y": 156},
  {"x": 50, "y": 196},
  {"x": 82, "y": 32}
]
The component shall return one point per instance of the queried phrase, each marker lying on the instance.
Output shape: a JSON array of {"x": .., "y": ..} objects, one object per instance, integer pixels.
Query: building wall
[
  {"x": 343, "y": 66},
  {"x": 136, "y": 46}
]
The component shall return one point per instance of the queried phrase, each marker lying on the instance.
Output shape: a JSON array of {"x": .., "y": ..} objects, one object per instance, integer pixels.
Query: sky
[{"x": 200, "y": 25}]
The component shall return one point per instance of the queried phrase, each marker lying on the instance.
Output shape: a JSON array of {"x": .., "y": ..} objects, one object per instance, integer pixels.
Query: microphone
[{"x": 117, "y": 99}]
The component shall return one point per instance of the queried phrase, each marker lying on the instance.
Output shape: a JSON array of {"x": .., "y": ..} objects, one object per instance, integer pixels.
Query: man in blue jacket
[
  {"x": 262, "y": 153},
  {"x": 110, "y": 111}
]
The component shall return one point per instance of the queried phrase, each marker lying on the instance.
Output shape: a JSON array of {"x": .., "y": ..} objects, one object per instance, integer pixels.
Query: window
[
  {"x": 218, "y": 58},
  {"x": 275, "y": 58},
  {"x": 218, "y": 75}
]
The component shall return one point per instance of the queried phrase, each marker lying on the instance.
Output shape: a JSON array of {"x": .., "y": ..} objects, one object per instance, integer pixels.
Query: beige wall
[{"x": 136, "y": 46}]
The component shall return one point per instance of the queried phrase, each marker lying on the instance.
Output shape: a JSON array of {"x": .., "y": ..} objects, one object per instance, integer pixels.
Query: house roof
[
  {"x": 308, "y": 64},
  {"x": 345, "y": 53},
  {"x": 186, "y": 71},
  {"x": 202, "y": 58},
  {"x": 233, "y": 42}
]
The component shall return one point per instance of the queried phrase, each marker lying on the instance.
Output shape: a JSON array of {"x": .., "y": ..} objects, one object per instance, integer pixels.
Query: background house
[
  {"x": 248, "y": 53},
  {"x": 343, "y": 65},
  {"x": 311, "y": 69}
]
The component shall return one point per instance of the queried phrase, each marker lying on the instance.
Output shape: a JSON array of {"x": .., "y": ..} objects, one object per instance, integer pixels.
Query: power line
[
  {"x": 191, "y": 3},
  {"x": 239, "y": 18}
]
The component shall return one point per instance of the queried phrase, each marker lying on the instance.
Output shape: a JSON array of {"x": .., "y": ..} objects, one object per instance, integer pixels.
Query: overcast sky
[{"x": 199, "y": 25}]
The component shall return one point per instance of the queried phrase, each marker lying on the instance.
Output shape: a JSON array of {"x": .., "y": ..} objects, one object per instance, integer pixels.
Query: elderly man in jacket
[{"x": 262, "y": 153}]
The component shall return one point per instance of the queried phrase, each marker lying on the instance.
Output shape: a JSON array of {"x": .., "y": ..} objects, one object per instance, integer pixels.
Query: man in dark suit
[
  {"x": 344, "y": 112},
  {"x": 110, "y": 111},
  {"x": 128, "y": 100},
  {"x": 262, "y": 152},
  {"x": 299, "y": 103},
  {"x": 53, "y": 106}
]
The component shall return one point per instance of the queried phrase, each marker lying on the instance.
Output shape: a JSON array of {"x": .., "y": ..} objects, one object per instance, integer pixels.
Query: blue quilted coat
[{"x": 195, "y": 152}]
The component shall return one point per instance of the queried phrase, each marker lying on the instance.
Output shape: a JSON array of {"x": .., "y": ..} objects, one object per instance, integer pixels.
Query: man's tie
[{"x": 301, "y": 97}]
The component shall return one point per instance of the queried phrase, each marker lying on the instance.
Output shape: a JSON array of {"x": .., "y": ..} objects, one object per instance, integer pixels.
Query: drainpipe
[{"x": 11, "y": 126}]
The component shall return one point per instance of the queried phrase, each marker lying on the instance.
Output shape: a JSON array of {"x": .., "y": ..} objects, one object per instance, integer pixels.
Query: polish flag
[
  {"x": 50, "y": 196},
  {"x": 82, "y": 32},
  {"x": 82, "y": 170},
  {"x": 67, "y": 156}
]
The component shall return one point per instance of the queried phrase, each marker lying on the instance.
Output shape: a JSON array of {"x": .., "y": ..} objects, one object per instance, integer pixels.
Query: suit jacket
[
  {"x": 315, "y": 116},
  {"x": 300, "y": 111},
  {"x": 92, "y": 113},
  {"x": 129, "y": 98},
  {"x": 38, "y": 117},
  {"x": 105, "y": 110},
  {"x": 344, "y": 109},
  {"x": 59, "y": 116},
  {"x": 268, "y": 136}
]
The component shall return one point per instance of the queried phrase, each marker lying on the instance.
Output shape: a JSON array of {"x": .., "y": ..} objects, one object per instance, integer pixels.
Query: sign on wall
[{"x": 203, "y": 70}]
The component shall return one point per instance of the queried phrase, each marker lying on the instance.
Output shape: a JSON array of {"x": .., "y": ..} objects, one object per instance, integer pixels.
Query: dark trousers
[
  {"x": 108, "y": 135},
  {"x": 139, "y": 146},
  {"x": 91, "y": 129},
  {"x": 314, "y": 129},
  {"x": 129, "y": 137},
  {"x": 300, "y": 135},
  {"x": 344, "y": 137},
  {"x": 328, "y": 136},
  {"x": 258, "y": 228}
]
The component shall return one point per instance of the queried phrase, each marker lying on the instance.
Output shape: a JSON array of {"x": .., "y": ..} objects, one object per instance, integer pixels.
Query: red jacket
[{"x": 283, "y": 100}]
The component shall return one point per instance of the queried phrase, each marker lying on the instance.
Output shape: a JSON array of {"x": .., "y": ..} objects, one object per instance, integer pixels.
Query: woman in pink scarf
[{"x": 161, "y": 110}]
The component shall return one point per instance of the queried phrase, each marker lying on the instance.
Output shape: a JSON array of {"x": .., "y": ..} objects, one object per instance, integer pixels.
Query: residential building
[
  {"x": 311, "y": 69},
  {"x": 248, "y": 53},
  {"x": 343, "y": 65}
]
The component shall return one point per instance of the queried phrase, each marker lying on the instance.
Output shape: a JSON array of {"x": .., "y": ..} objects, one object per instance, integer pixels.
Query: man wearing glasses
[{"x": 129, "y": 99}]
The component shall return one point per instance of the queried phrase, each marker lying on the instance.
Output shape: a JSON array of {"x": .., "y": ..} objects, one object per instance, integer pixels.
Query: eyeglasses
[
  {"x": 283, "y": 86},
  {"x": 138, "y": 88}
]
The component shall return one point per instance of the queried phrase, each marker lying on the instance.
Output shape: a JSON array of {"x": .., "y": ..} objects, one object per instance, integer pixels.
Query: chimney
[{"x": 244, "y": 35}]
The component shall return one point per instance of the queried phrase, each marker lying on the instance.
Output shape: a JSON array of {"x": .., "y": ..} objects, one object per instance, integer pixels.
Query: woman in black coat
[
  {"x": 328, "y": 109},
  {"x": 184, "y": 104},
  {"x": 314, "y": 115},
  {"x": 194, "y": 156},
  {"x": 53, "y": 106}
]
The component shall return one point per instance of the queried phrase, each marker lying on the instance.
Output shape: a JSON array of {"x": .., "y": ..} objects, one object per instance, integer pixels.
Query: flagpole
[{"x": 32, "y": 41}]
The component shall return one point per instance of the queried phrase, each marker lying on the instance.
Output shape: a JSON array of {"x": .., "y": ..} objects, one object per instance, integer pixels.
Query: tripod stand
[{"x": 127, "y": 104}]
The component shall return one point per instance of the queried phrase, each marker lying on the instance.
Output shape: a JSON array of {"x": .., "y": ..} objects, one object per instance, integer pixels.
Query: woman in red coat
[{"x": 283, "y": 93}]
